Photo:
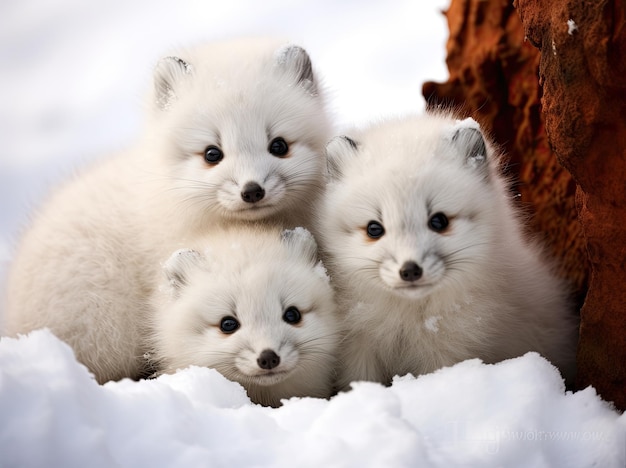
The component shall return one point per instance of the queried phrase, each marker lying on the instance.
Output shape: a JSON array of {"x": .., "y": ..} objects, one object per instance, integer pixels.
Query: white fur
[
  {"x": 86, "y": 265},
  {"x": 253, "y": 275},
  {"x": 485, "y": 290}
]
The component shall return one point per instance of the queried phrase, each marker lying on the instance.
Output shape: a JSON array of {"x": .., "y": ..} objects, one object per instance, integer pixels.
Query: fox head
[
  {"x": 258, "y": 308},
  {"x": 412, "y": 205},
  {"x": 243, "y": 128}
]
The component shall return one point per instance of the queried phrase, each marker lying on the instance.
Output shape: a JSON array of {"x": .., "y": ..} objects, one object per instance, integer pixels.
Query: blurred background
[{"x": 73, "y": 73}]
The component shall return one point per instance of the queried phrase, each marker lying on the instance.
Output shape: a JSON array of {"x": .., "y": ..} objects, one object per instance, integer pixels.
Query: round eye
[
  {"x": 213, "y": 155},
  {"x": 438, "y": 222},
  {"x": 229, "y": 325},
  {"x": 375, "y": 230},
  {"x": 278, "y": 147},
  {"x": 292, "y": 315}
]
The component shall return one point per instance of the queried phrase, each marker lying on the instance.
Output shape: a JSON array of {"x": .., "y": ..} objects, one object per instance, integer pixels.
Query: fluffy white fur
[
  {"x": 86, "y": 266},
  {"x": 481, "y": 288},
  {"x": 253, "y": 276}
]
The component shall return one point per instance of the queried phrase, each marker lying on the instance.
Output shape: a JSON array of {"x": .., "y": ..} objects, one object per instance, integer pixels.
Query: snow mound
[{"x": 516, "y": 413}]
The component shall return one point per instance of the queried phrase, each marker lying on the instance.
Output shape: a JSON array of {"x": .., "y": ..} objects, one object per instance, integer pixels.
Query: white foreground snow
[{"x": 52, "y": 413}]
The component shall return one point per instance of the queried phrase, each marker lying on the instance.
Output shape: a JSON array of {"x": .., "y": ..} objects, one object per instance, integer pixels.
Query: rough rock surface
[
  {"x": 552, "y": 93},
  {"x": 582, "y": 72}
]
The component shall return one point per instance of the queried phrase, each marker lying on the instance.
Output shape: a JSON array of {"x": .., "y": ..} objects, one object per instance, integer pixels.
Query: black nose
[
  {"x": 252, "y": 192},
  {"x": 268, "y": 359},
  {"x": 410, "y": 271}
]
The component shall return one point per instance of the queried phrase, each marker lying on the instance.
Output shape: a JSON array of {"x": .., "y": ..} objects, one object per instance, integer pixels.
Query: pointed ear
[
  {"x": 468, "y": 141},
  {"x": 296, "y": 61},
  {"x": 339, "y": 150},
  {"x": 178, "y": 266},
  {"x": 169, "y": 72},
  {"x": 302, "y": 242}
]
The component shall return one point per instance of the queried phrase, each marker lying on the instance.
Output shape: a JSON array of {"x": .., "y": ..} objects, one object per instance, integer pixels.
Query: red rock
[{"x": 582, "y": 70}]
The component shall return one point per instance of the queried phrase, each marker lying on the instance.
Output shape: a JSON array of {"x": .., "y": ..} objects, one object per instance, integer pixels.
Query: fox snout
[
  {"x": 410, "y": 271},
  {"x": 252, "y": 192}
]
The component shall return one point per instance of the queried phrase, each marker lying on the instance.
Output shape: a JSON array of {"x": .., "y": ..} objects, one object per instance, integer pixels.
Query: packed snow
[
  {"x": 73, "y": 75},
  {"x": 516, "y": 413}
]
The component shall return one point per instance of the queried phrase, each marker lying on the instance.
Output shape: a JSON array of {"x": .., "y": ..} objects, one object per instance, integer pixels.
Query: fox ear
[
  {"x": 302, "y": 242},
  {"x": 169, "y": 72},
  {"x": 468, "y": 141},
  {"x": 339, "y": 150},
  {"x": 178, "y": 266},
  {"x": 295, "y": 60}
]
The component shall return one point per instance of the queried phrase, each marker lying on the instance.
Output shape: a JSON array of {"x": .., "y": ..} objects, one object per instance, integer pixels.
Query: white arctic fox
[
  {"x": 255, "y": 305},
  {"x": 236, "y": 133},
  {"x": 431, "y": 263}
]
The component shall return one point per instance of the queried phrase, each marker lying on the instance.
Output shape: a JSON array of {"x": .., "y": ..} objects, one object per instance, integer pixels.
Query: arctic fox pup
[
  {"x": 236, "y": 133},
  {"x": 430, "y": 261},
  {"x": 255, "y": 305}
]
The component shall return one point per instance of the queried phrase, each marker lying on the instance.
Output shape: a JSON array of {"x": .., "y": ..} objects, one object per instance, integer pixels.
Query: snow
[
  {"x": 515, "y": 413},
  {"x": 465, "y": 124},
  {"x": 431, "y": 323},
  {"x": 321, "y": 272},
  {"x": 571, "y": 27},
  {"x": 73, "y": 75}
]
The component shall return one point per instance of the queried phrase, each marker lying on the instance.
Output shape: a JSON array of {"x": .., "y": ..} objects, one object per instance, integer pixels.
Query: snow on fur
[{"x": 516, "y": 413}]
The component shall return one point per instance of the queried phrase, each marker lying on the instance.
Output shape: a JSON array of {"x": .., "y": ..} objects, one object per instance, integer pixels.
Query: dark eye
[
  {"x": 292, "y": 315},
  {"x": 375, "y": 230},
  {"x": 213, "y": 155},
  {"x": 438, "y": 222},
  {"x": 229, "y": 325},
  {"x": 278, "y": 147}
]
